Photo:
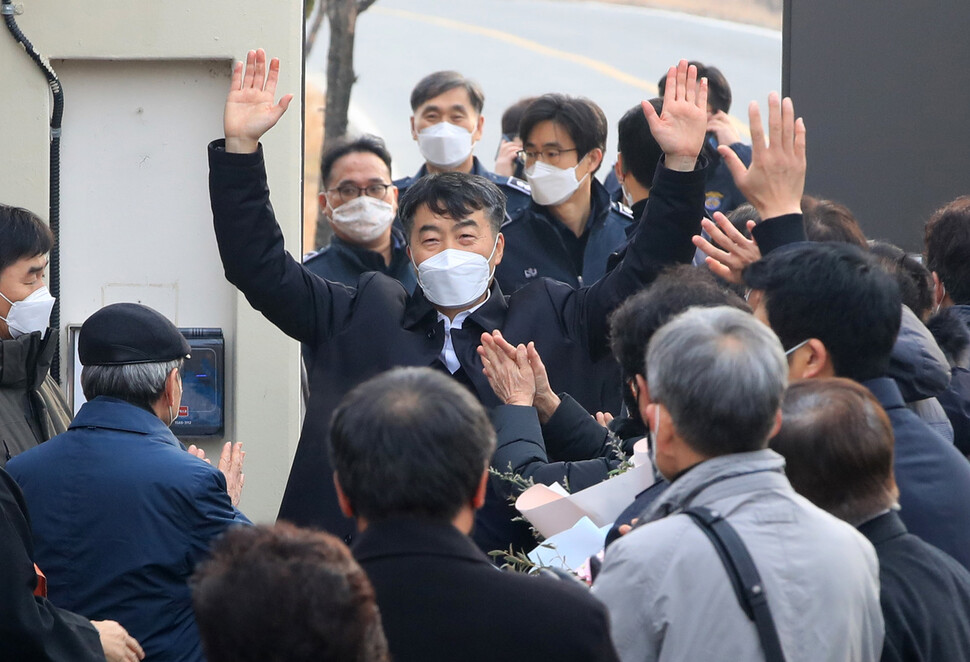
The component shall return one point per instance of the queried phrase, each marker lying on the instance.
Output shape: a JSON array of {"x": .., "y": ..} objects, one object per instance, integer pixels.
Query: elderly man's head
[
  {"x": 838, "y": 447},
  {"x": 284, "y": 593},
  {"x": 716, "y": 377},
  {"x": 411, "y": 442},
  {"x": 133, "y": 353}
]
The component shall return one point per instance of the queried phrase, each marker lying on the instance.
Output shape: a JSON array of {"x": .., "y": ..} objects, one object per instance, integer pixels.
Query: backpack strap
[{"x": 744, "y": 576}]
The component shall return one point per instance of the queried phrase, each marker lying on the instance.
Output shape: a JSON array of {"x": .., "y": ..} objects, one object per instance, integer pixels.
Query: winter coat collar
[{"x": 25, "y": 361}]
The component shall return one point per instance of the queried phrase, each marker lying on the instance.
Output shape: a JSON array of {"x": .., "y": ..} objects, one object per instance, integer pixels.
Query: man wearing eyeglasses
[
  {"x": 572, "y": 226},
  {"x": 447, "y": 122},
  {"x": 360, "y": 203}
]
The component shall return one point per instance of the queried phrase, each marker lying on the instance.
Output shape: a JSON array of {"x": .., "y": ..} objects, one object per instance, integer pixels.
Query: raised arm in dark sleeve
[
  {"x": 31, "y": 628},
  {"x": 250, "y": 242}
]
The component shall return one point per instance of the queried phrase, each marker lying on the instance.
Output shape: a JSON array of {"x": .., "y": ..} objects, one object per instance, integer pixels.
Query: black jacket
[
  {"x": 360, "y": 332},
  {"x": 441, "y": 599},
  {"x": 31, "y": 628},
  {"x": 924, "y": 593}
]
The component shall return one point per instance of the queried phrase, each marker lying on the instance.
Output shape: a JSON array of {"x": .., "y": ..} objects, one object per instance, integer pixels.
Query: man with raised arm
[{"x": 451, "y": 222}]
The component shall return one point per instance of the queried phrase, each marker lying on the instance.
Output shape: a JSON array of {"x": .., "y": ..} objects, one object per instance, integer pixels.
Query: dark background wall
[{"x": 884, "y": 87}]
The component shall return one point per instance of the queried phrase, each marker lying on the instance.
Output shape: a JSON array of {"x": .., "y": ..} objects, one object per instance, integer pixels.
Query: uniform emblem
[
  {"x": 622, "y": 209},
  {"x": 531, "y": 272},
  {"x": 519, "y": 185},
  {"x": 713, "y": 201}
]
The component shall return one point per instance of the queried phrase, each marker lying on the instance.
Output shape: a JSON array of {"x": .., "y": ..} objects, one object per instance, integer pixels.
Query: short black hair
[
  {"x": 366, "y": 143},
  {"x": 837, "y": 442},
  {"x": 512, "y": 116},
  {"x": 582, "y": 119},
  {"x": 947, "y": 241},
  {"x": 22, "y": 235},
  {"x": 835, "y": 293},
  {"x": 914, "y": 280},
  {"x": 285, "y": 593},
  {"x": 634, "y": 322},
  {"x": 718, "y": 90},
  {"x": 740, "y": 215},
  {"x": 410, "y": 442},
  {"x": 440, "y": 82},
  {"x": 455, "y": 195},
  {"x": 826, "y": 220},
  {"x": 640, "y": 150}
]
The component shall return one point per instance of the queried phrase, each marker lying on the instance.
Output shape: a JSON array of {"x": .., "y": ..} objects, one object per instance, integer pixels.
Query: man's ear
[
  {"x": 643, "y": 398},
  {"x": 595, "y": 156},
  {"x": 477, "y": 133},
  {"x": 414, "y": 133},
  {"x": 478, "y": 500},
  {"x": 939, "y": 290},
  {"x": 342, "y": 500},
  {"x": 777, "y": 424},
  {"x": 618, "y": 168},
  {"x": 171, "y": 389},
  {"x": 811, "y": 360},
  {"x": 499, "y": 249}
]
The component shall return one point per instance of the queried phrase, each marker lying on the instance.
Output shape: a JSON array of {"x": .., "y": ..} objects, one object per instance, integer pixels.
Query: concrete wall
[{"x": 144, "y": 85}]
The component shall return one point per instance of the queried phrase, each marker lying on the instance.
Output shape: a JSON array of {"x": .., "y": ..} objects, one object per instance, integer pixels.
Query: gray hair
[
  {"x": 138, "y": 383},
  {"x": 721, "y": 374}
]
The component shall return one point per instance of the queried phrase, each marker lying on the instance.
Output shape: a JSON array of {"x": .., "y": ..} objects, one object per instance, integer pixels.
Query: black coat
[
  {"x": 359, "y": 332},
  {"x": 441, "y": 599},
  {"x": 925, "y": 596},
  {"x": 31, "y": 628},
  {"x": 932, "y": 476}
]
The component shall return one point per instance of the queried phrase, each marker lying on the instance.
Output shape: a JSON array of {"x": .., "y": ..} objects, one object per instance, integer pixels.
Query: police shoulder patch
[
  {"x": 713, "y": 200},
  {"x": 519, "y": 185},
  {"x": 621, "y": 209}
]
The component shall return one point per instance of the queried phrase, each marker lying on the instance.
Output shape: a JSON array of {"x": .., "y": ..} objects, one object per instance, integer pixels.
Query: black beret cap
[{"x": 124, "y": 333}]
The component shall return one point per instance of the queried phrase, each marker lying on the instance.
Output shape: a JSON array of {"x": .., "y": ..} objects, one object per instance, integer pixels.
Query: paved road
[{"x": 612, "y": 54}]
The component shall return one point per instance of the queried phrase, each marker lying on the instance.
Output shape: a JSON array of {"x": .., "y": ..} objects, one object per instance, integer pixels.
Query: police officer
[
  {"x": 360, "y": 203},
  {"x": 447, "y": 123},
  {"x": 572, "y": 226}
]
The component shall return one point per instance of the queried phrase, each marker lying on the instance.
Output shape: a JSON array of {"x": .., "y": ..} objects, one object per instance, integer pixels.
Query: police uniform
[
  {"x": 537, "y": 245},
  {"x": 518, "y": 194},
  {"x": 344, "y": 262},
  {"x": 720, "y": 192}
]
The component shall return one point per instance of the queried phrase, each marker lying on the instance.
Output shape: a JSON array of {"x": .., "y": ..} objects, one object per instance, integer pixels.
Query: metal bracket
[{"x": 11, "y": 10}]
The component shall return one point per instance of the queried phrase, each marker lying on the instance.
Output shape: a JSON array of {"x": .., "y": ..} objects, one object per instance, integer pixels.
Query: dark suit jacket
[
  {"x": 933, "y": 477},
  {"x": 359, "y": 332},
  {"x": 925, "y": 595},
  {"x": 441, "y": 599},
  {"x": 31, "y": 628}
]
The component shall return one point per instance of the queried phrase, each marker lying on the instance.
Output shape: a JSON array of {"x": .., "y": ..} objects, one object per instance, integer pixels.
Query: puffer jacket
[
  {"x": 920, "y": 368},
  {"x": 32, "y": 408}
]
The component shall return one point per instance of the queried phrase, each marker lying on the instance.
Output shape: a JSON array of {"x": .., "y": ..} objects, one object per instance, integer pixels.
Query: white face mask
[
  {"x": 31, "y": 314},
  {"x": 454, "y": 278},
  {"x": 363, "y": 219},
  {"x": 552, "y": 185},
  {"x": 445, "y": 145}
]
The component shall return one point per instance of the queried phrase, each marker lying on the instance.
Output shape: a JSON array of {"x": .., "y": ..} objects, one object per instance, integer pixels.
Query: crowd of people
[{"x": 804, "y": 395}]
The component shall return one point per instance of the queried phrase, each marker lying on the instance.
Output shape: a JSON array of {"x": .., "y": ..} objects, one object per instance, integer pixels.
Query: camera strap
[{"x": 744, "y": 576}]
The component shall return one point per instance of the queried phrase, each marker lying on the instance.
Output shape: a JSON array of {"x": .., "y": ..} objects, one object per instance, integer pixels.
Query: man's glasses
[
  {"x": 350, "y": 191},
  {"x": 550, "y": 156}
]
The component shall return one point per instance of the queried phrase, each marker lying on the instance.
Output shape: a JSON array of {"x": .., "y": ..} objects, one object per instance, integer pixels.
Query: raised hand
[
  {"x": 682, "y": 123},
  {"x": 546, "y": 401},
  {"x": 735, "y": 253},
  {"x": 775, "y": 181},
  {"x": 231, "y": 466},
  {"x": 723, "y": 129},
  {"x": 250, "y": 107},
  {"x": 511, "y": 377}
]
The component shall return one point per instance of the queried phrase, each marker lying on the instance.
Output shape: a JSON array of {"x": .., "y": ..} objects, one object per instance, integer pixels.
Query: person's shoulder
[{"x": 621, "y": 211}]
